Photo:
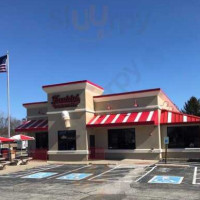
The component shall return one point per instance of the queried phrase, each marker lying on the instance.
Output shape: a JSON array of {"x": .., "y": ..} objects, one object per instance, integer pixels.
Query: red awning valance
[
  {"x": 168, "y": 117},
  {"x": 33, "y": 125},
  {"x": 134, "y": 118}
]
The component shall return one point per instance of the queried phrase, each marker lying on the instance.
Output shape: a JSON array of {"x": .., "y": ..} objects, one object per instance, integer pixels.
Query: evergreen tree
[{"x": 192, "y": 106}]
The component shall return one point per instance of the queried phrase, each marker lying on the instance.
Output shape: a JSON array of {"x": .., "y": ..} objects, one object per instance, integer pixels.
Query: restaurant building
[{"x": 79, "y": 122}]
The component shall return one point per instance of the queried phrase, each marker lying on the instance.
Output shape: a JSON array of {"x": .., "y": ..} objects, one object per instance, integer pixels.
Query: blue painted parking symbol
[
  {"x": 40, "y": 175},
  {"x": 166, "y": 179},
  {"x": 75, "y": 176}
]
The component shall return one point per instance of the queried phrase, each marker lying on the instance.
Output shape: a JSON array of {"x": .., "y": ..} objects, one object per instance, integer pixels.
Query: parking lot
[
  {"x": 59, "y": 181},
  {"x": 74, "y": 173}
]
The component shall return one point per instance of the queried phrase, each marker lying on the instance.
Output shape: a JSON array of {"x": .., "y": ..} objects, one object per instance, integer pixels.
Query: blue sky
[{"x": 120, "y": 45}]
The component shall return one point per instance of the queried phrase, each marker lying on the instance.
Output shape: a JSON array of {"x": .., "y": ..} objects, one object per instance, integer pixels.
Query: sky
[{"x": 121, "y": 45}]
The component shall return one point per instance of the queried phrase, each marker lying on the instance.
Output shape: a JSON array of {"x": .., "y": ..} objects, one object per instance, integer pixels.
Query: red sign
[{"x": 67, "y": 101}]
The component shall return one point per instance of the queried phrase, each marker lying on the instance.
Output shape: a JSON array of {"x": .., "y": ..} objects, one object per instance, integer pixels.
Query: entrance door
[
  {"x": 92, "y": 141},
  {"x": 92, "y": 147},
  {"x": 42, "y": 140},
  {"x": 40, "y": 152}
]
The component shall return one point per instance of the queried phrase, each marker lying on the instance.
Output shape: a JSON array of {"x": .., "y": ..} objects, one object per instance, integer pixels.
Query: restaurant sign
[{"x": 67, "y": 101}]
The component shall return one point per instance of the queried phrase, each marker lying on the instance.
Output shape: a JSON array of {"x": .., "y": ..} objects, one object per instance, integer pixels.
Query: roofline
[
  {"x": 34, "y": 103},
  {"x": 125, "y": 93},
  {"x": 74, "y": 82},
  {"x": 181, "y": 113}
]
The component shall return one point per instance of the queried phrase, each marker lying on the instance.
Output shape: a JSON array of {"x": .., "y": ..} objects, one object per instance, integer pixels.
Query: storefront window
[
  {"x": 67, "y": 140},
  {"x": 121, "y": 138},
  {"x": 184, "y": 137}
]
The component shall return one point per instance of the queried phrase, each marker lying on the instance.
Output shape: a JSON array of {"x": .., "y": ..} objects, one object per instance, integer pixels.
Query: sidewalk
[
  {"x": 108, "y": 162},
  {"x": 31, "y": 164}
]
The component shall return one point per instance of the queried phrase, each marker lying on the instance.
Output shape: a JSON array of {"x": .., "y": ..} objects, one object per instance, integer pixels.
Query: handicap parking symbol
[
  {"x": 75, "y": 176},
  {"x": 166, "y": 179},
  {"x": 40, "y": 175}
]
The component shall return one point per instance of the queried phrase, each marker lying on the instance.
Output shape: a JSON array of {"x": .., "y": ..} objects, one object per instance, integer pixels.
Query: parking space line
[
  {"x": 195, "y": 176},
  {"x": 103, "y": 173},
  {"x": 57, "y": 175},
  {"x": 146, "y": 174}
]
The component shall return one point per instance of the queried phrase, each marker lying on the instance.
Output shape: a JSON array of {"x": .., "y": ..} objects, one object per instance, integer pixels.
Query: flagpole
[{"x": 8, "y": 92}]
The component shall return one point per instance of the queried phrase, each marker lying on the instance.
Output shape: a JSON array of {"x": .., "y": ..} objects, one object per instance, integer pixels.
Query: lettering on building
[{"x": 67, "y": 101}]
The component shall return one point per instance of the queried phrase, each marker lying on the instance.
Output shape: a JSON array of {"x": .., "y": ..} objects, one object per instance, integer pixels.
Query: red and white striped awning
[
  {"x": 33, "y": 125},
  {"x": 168, "y": 117},
  {"x": 134, "y": 118}
]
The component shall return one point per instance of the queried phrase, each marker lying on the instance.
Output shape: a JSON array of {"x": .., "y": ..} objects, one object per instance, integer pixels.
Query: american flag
[{"x": 3, "y": 60}]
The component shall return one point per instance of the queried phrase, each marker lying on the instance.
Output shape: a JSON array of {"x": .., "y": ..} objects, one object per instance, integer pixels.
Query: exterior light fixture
[
  {"x": 135, "y": 103},
  {"x": 109, "y": 107}
]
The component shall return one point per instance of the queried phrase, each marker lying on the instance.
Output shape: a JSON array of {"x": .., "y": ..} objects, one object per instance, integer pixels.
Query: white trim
[
  {"x": 138, "y": 117},
  {"x": 115, "y": 119},
  {"x": 169, "y": 120},
  {"x": 132, "y": 151},
  {"x": 183, "y": 150},
  {"x": 72, "y": 152},
  {"x": 126, "y": 118},
  {"x": 95, "y": 119},
  {"x": 70, "y": 111},
  {"x": 150, "y": 116},
  {"x": 184, "y": 118},
  {"x": 104, "y": 120}
]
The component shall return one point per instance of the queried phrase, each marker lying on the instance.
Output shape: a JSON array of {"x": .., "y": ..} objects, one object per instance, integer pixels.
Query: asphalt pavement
[{"x": 102, "y": 182}]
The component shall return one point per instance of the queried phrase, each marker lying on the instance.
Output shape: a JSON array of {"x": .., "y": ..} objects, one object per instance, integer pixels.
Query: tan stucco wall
[
  {"x": 146, "y": 136},
  {"x": 126, "y": 103},
  {"x": 165, "y": 103},
  {"x": 36, "y": 112},
  {"x": 89, "y": 103},
  {"x": 56, "y": 123},
  {"x": 63, "y": 94}
]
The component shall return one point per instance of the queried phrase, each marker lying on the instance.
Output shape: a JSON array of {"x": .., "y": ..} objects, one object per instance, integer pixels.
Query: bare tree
[{"x": 4, "y": 125}]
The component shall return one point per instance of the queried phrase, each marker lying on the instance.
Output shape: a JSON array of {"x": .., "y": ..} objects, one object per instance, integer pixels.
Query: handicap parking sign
[
  {"x": 166, "y": 179},
  {"x": 166, "y": 140},
  {"x": 75, "y": 176},
  {"x": 40, "y": 175}
]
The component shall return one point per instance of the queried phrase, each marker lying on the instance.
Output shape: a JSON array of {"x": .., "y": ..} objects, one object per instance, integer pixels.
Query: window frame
[
  {"x": 65, "y": 145},
  {"x": 181, "y": 135},
  {"x": 121, "y": 136}
]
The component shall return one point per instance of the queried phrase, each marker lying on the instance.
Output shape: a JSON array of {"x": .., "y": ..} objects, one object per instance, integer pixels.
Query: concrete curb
[
  {"x": 105, "y": 162},
  {"x": 172, "y": 165}
]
